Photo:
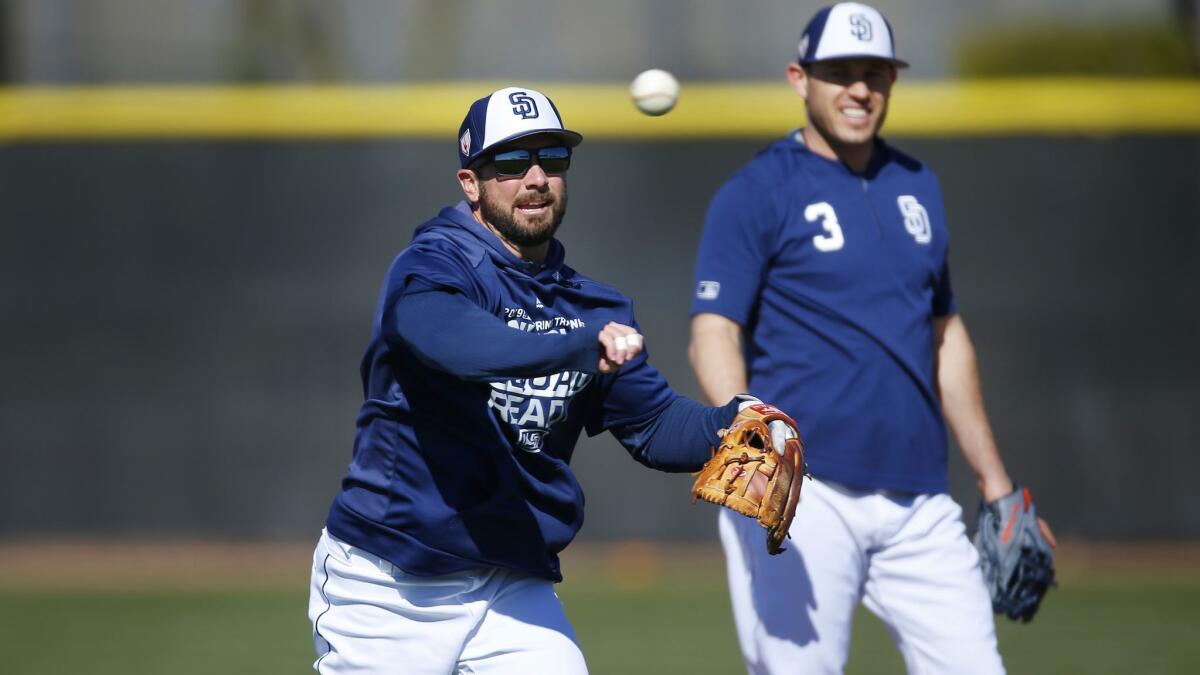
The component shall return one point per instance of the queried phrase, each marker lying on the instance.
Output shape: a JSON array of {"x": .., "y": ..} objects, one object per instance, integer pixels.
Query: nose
[
  {"x": 859, "y": 89},
  {"x": 535, "y": 176}
]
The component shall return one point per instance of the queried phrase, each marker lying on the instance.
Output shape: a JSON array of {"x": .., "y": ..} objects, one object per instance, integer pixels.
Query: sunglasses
[{"x": 555, "y": 159}]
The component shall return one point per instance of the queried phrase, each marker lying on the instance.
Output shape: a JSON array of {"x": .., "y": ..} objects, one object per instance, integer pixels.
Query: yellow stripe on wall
[{"x": 599, "y": 111}]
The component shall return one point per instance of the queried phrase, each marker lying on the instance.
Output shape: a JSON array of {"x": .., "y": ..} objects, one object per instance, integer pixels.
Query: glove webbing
[{"x": 743, "y": 460}]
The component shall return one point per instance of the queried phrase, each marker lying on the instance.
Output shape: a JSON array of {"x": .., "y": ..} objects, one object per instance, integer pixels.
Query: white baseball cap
[
  {"x": 847, "y": 30},
  {"x": 506, "y": 115}
]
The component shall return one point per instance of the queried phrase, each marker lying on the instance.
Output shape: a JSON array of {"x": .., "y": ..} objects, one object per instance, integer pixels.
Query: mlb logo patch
[
  {"x": 708, "y": 290},
  {"x": 464, "y": 142}
]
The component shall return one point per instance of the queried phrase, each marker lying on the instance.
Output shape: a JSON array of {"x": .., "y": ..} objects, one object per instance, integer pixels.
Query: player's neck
[
  {"x": 855, "y": 156},
  {"x": 527, "y": 253}
]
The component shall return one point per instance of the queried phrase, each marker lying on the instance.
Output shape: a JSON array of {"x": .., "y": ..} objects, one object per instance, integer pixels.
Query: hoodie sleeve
[
  {"x": 450, "y": 333},
  {"x": 678, "y": 438},
  {"x": 659, "y": 428},
  {"x": 428, "y": 266}
]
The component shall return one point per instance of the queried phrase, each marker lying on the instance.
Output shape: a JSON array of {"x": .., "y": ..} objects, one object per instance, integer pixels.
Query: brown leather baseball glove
[{"x": 757, "y": 470}]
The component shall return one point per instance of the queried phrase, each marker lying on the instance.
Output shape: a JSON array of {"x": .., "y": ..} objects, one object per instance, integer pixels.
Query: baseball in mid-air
[{"x": 654, "y": 91}]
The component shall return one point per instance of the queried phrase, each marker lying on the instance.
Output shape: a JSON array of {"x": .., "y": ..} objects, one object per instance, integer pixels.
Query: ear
[
  {"x": 798, "y": 79},
  {"x": 469, "y": 181}
]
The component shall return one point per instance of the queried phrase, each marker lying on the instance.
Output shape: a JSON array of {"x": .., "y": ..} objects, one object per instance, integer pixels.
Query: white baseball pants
[
  {"x": 370, "y": 617},
  {"x": 906, "y": 557}
]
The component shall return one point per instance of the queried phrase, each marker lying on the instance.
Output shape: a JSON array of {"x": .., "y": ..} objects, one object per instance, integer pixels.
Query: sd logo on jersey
[{"x": 916, "y": 218}]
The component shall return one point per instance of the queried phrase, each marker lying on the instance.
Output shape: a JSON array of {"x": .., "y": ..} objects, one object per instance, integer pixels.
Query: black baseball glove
[{"x": 1017, "y": 561}]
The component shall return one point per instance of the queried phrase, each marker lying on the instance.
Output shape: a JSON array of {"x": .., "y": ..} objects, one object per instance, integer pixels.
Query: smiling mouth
[
  {"x": 855, "y": 113},
  {"x": 530, "y": 207}
]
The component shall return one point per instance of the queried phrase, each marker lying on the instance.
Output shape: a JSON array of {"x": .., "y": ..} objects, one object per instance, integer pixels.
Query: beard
[{"x": 516, "y": 227}]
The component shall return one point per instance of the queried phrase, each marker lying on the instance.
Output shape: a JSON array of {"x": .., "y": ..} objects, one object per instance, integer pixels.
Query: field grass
[
  {"x": 637, "y": 609},
  {"x": 1090, "y": 629}
]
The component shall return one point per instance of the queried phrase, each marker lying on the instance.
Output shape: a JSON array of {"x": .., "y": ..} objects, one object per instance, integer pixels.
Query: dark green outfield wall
[{"x": 181, "y": 323}]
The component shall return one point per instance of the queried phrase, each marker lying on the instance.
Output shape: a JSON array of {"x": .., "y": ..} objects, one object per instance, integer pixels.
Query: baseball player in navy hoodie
[{"x": 488, "y": 357}]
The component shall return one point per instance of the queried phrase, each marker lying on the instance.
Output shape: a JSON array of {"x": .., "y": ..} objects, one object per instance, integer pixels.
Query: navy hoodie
[{"x": 449, "y": 473}]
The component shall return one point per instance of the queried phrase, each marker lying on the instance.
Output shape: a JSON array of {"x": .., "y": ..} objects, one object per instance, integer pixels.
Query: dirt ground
[{"x": 120, "y": 565}]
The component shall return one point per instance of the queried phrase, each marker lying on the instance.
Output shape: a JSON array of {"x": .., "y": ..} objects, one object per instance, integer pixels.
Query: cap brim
[
  {"x": 846, "y": 57},
  {"x": 569, "y": 138}
]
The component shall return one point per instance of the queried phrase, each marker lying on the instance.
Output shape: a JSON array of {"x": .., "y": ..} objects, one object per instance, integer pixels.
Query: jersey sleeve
[
  {"x": 943, "y": 293},
  {"x": 735, "y": 249},
  {"x": 942, "y": 303}
]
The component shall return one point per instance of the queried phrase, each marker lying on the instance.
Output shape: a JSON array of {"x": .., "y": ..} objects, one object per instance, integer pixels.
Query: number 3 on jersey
[{"x": 824, "y": 212}]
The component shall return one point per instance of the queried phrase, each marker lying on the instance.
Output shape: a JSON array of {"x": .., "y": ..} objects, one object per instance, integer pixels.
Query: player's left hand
[
  {"x": 618, "y": 345},
  {"x": 995, "y": 489},
  {"x": 1047, "y": 532},
  {"x": 1016, "y": 554}
]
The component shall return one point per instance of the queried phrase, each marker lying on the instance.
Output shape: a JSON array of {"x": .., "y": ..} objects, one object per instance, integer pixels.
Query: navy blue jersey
[
  {"x": 451, "y": 473},
  {"x": 836, "y": 278}
]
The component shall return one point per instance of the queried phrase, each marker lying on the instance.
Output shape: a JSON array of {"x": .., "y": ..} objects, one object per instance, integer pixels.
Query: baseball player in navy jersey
[
  {"x": 488, "y": 357},
  {"x": 823, "y": 285}
]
